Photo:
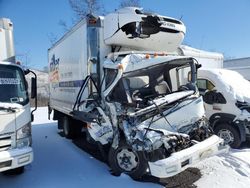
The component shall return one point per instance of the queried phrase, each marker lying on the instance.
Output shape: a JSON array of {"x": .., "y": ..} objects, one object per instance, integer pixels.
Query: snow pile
[
  {"x": 229, "y": 83},
  {"x": 226, "y": 171},
  {"x": 236, "y": 84}
]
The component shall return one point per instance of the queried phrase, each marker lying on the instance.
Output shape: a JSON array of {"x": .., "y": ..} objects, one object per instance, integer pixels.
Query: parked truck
[
  {"x": 15, "y": 115},
  {"x": 226, "y": 96},
  {"x": 116, "y": 78}
]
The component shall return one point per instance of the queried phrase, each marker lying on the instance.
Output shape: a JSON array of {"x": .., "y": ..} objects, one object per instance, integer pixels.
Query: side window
[
  {"x": 138, "y": 82},
  {"x": 179, "y": 76},
  {"x": 204, "y": 85}
]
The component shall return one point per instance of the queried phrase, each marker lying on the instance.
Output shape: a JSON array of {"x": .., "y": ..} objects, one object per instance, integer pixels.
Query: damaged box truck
[{"x": 141, "y": 107}]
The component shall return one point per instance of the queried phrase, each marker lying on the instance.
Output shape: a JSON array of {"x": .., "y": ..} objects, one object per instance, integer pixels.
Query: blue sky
[{"x": 214, "y": 25}]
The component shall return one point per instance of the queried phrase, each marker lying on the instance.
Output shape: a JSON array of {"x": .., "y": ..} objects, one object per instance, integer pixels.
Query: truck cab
[
  {"x": 226, "y": 96},
  {"x": 15, "y": 114}
]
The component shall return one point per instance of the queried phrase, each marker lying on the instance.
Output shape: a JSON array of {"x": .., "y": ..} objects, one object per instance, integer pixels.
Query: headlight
[
  {"x": 24, "y": 132},
  {"x": 25, "y": 142}
]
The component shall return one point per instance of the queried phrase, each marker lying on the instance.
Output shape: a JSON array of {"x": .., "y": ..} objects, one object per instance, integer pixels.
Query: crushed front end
[{"x": 159, "y": 111}]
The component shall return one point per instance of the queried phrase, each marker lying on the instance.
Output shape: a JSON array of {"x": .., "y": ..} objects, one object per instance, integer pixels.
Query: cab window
[{"x": 204, "y": 85}]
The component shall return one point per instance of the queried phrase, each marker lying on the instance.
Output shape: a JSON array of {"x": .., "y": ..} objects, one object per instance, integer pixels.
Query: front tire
[
  {"x": 229, "y": 133},
  {"x": 125, "y": 160}
]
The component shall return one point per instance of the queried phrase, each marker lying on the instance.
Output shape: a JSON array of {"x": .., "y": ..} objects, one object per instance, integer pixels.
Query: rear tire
[
  {"x": 229, "y": 133},
  {"x": 67, "y": 129},
  {"x": 125, "y": 160},
  {"x": 71, "y": 127}
]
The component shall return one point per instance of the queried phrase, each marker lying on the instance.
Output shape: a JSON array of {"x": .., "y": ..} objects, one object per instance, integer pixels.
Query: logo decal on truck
[
  {"x": 9, "y": 81},
  {"x": 54, "y": 67}
]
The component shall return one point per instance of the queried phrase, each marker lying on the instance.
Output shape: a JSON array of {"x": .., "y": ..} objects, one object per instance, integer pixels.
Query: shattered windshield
[
  {"x": 152, "y": 82},
  {"x": 12, "y": 85}
]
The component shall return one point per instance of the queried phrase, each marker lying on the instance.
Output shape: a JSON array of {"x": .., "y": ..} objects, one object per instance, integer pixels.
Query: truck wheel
[
  {"x": 16, "y": 171},
  {"x": 67, "y": 129},
  {"x": 60, "y": 123},
  {"x": 124, "y": 159},
  {"x": 229, "y": 133}
]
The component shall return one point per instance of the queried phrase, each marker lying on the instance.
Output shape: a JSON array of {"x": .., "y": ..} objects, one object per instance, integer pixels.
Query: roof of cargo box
[
  {"x": 137, "y": 61},
  {"x": 74, "y": 28}
]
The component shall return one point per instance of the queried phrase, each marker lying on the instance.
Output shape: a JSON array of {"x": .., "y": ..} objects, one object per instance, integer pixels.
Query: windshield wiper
[{"x": 8, "y": 109}]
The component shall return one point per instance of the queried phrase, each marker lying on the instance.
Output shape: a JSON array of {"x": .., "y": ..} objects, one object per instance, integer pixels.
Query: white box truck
[
  {"x": 15, "y": 115},
  {"x": 109, "y": 80}
]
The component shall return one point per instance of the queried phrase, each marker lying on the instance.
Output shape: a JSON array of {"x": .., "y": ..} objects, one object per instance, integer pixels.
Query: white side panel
[
  {"x": 205, "y": 58},
  {"x": 3, "y": 53},
  {"x": 209, "y": 63},
  {"x": 68, "y": 69},
  {"x": 7, "y": 51}
]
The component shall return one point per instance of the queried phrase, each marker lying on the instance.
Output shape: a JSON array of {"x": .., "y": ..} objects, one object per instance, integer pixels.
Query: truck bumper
[
  {"x": 181, "y": 160},
  {"x": 15, "y": 158}
]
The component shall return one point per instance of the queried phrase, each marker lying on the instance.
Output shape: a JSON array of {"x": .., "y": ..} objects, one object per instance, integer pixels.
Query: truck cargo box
[{"x": 72, "y": 58}]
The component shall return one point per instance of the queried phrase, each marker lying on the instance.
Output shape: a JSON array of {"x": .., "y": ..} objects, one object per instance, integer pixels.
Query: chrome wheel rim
[
  {"x": 226, "y": 135},
  {"x": 127, "y": 160}
]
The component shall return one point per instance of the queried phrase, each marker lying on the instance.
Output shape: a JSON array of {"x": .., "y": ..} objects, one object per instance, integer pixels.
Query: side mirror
[
  {"x": 33, "y": 88},
  {"x": 212, "y": 97}
]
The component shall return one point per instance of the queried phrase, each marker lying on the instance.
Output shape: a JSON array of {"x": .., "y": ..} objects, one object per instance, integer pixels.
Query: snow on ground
[
  {"x": 226, "y": 171},
  {"x": 60, "y": 163}
]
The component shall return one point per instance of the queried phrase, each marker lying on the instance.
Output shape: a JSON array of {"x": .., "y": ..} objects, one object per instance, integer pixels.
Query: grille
[{"x": 5, "y": 143}]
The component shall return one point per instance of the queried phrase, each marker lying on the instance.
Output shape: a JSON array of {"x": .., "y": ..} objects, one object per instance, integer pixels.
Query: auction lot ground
[{"x": 59, "y": 162}]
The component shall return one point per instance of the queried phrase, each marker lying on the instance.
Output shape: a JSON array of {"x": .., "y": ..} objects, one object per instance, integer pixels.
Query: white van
[{"x": 226, "y": 96}]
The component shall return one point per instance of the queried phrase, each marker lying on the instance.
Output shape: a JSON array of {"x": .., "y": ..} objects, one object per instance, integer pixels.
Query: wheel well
[
  {"x": 57, "y": 115},
  {"x": 224, "y": 122},
  {"x": 239, "y": 128},
  {"x": 219, "y": 118}
]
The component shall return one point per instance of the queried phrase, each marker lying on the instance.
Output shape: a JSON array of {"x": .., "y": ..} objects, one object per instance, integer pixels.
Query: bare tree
[
  {"x": 130, "y": 3},
  {"x": 52, "y": 38},
  {"x": 64, "y": 25},
  {"x": 82, "y": 8}
]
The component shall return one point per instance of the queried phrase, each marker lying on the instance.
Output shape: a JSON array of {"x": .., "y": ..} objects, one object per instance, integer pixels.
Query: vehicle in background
[
  {"x": 226, "y": 95},
  {"x": 109, "y": 80},
  {"x": 205, "y": 58},
  {"x": 15, "y": 115},
  {"x": 240, "y": 65}
]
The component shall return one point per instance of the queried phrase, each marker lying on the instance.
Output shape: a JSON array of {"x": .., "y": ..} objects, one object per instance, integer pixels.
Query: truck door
[{"x": 205, "y": 85}]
